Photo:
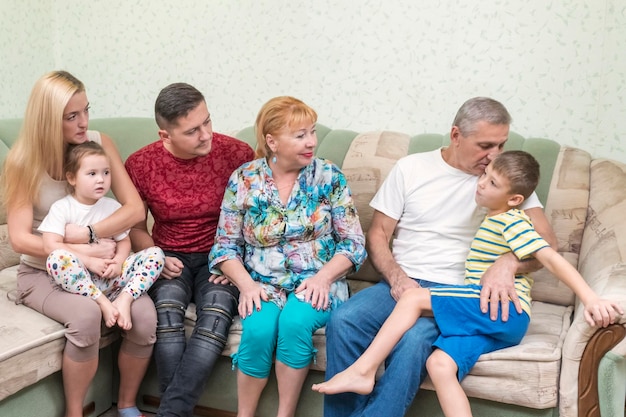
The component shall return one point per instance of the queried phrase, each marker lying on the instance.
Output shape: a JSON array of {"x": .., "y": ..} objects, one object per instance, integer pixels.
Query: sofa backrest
[{"x": 129, "y": 133}]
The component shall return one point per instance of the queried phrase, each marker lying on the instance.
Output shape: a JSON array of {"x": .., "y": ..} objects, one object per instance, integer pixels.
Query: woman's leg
[
  {"x": 81, "y": 317},
  {"x": 295, "y": 351},
  {"x": 77, "y": 377},
  {"x": 443, "y": 373},
  {"x": 360, "y": 376},
  {"x": 290, "y": 383},
  {"x": 249, "y": 389},
  {"x": 136, "y": 350},
  {"x": 255, "y": 356},
  {"x": 132, "y": 371}
]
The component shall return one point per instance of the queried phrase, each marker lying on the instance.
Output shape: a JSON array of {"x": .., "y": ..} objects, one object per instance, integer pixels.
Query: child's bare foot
[
  {"x": 349, "y": 380},
  {"x": 110, "y": 314},
  {"x": 122, "y": 303}
]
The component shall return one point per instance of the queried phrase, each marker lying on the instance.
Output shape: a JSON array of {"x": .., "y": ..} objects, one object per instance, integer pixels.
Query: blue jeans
[
  {"x": 183, "y": 367},
  {"x": 349, "y": 332}
]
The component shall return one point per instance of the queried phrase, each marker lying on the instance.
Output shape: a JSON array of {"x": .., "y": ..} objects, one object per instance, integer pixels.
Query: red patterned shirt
[{"x": 185, "y": 195}]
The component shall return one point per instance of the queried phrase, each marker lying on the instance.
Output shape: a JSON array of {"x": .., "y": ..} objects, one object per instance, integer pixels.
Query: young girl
[{"x": 122, "y": 278}]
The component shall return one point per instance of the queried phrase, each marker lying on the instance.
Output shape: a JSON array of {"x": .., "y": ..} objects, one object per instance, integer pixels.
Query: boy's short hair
[{"x": 520, "y": 168}]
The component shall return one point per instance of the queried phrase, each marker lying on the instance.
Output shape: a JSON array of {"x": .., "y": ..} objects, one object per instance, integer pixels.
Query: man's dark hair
[{"x": 175, "y": 101}]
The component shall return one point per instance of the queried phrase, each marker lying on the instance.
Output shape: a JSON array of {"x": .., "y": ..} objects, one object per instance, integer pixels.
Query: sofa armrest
[
  {"x": 600, "y": 343},
  {"x": 8, "y": 257},
  {"x": 585, "y": 346},
  {"x": 602, "y": 262}
]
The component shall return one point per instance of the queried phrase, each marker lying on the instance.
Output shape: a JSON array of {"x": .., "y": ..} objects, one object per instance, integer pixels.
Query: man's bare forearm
[{"x": 383, "y": 261}]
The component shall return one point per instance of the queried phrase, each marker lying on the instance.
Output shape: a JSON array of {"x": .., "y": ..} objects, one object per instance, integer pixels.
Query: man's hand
[
  {"x": 400, "y": 285},
  {"x": 173, "y": 268},
  {"x": 220, "y": 280},
  {"x": 499, "y": 287}
]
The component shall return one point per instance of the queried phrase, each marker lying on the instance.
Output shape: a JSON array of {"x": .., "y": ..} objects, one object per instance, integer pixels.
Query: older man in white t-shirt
[{"x": 426, "y": 205}]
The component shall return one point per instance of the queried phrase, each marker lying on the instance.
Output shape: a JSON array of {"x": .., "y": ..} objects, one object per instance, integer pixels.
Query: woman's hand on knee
[{"x": 250, "y": 298}]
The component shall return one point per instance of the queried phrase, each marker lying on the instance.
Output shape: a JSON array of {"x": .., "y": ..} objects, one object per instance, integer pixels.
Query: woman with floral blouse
[{"x": 287, "y": 236}]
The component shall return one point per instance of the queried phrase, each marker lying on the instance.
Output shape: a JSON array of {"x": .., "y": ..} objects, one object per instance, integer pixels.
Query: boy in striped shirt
[{"x": 466, "y": 332}]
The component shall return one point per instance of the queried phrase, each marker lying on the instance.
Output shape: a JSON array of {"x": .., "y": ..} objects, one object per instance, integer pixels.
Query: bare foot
[
  {"x": 122, "y": 303},
  {"x": 110, "y": 314},
  {"x": 349, "y": 380}
]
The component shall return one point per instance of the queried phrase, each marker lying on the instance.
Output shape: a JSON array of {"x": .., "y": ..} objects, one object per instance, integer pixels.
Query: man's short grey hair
[{"x": 479, "y": 109}]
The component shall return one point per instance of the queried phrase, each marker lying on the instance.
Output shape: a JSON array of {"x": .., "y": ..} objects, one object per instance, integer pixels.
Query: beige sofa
[{"x": 562, "y": 367}]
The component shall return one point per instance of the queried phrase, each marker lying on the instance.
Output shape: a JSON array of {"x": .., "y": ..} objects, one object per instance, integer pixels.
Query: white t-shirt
[
  {"x": 49, "y": 192},
  {"x": 69, "y": 210},
  {"x": 436, "y": 213}
]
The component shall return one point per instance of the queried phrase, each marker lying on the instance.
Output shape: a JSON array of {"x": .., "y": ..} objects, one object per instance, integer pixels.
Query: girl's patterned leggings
[{"x": 139, "y": 272}]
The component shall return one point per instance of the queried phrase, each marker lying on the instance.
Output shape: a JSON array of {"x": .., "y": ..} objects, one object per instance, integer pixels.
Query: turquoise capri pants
[{"x": 288, "y": 331}]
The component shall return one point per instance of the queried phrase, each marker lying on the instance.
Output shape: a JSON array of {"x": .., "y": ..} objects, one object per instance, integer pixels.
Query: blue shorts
[{"x": 466, "y": 332}]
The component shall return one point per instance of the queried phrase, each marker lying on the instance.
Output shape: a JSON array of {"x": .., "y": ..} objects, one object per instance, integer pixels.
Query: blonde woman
[{"x": 57, "y": 116}]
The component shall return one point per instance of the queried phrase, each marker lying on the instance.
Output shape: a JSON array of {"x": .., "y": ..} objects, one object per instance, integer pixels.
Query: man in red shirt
[{"x": 181, "y": 179}]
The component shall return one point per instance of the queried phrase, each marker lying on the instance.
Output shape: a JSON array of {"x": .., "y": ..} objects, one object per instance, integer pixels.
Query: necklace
[{"x": 287, "y": 185}]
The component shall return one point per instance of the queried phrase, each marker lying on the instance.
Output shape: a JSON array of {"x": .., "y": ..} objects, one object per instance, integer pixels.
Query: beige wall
[{"x": 405, "y": 65}]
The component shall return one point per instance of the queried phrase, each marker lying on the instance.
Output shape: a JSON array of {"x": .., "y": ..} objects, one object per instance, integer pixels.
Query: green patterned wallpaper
[{"x": 404, "y": 65}]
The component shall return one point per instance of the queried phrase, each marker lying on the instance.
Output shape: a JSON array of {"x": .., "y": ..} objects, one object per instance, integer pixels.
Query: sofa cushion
[
  {"x": 7, "y": 256},
  {"x": 526, "y": 374},
  {"x": 368, "y": 161},
  {"x": 601, "y": 245},
  {"x": 31, "y": 344},
  {"x": 566, "y": 210}
]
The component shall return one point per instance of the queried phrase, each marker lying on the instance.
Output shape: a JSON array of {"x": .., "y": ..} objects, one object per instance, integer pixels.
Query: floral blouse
[{"x": 282, "y": 245}]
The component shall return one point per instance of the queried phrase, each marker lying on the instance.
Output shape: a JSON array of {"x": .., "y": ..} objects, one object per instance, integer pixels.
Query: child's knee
[
  {"x": 440, "y": 363},
  {"x": 416, "y": 297}
]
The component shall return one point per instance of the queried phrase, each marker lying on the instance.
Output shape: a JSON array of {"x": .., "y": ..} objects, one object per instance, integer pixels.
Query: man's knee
[
  {"x": 338, "y": 320},
  {"x": 170, "y": 290},
  {"x": 215, "y": 316},
  {"x": 221, "y": 298},
  {"x": 170, "y": 315}
]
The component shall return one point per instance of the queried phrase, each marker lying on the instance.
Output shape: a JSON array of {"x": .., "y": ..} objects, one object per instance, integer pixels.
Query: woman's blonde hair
[
  {"x": 277, "y": 115},
  {"x": 39, "y": 148}
]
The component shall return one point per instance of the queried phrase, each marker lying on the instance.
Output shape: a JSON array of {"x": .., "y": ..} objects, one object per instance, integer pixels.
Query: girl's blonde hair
[
  {"x": 39, "y": 148},
  {"x": 277, "y": 115}
]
